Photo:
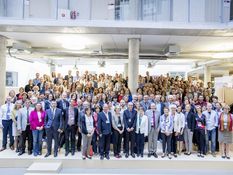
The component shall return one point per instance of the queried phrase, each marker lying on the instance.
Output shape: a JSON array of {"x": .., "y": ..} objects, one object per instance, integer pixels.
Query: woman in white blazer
[
  {"x": 141, "y": 131},
  {"x": 179, "y": 124}
]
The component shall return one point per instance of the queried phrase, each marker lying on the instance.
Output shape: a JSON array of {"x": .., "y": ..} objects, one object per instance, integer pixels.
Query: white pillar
[
  {"x": 2, "y": 69},
  {"x": 133, "y": 65},
  {"x": 126, "y": 65},
  {"x": 207, "y": 75}
]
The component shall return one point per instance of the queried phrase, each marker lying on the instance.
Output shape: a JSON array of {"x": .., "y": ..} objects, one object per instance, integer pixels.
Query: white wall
[
  {"x": 180, "y": 10},
  {"x": 197, "y": 10},
  {"x": 14, "y": 8},
  {"x": 25, "y": 70},
  {"x": 100, "y": 10}
]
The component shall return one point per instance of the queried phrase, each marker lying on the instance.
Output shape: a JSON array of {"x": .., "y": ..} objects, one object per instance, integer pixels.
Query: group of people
[{"x": 89, "y": 112}]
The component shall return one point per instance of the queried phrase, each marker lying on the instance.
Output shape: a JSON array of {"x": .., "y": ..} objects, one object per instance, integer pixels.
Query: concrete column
[
  {"x": 126, "y": 65},
  {"x": 207, "y": 75},
  {"x": 133, "y": 65},
  {"x": 2, "y": 69}
]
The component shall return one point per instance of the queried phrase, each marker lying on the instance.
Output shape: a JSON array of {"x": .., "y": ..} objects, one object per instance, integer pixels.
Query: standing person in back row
[
  {"x": 53, "y": 126},
  {"x": 153, "y": 129},
  {"x": 130, "y": 119},
  {"x": 105, "y": 130}
]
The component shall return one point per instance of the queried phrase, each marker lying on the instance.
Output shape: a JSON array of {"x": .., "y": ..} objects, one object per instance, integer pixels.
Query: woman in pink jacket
[{"x": 37, "y": 125}]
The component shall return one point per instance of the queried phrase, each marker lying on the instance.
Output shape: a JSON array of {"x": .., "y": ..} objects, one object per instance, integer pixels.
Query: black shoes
[
  {"x": 126, "y": 155},
  {"x": 47, "y": 155},
  {"x": 155, "y": 155},
  {"x": 21, "y": 153},
  {"x": 55, "y": 155},
  {"x": 66, "y": 154},
  {"x": 101, "y": 157},
  {"x": 133, "y": 155}
]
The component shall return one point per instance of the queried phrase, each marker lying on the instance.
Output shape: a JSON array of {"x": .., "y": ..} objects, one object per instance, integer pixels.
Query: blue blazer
[
  {"x": 57, "y": 122},
  {"x": 60, "y": 105},
  {"x": 130, "y": 122},
  {"x": 104, "y": 127}
]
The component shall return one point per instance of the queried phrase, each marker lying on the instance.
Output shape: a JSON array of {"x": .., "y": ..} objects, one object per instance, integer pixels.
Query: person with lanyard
[
  {"x": 105, "y": 130},
  {"x": 118, "y": 126},
  {"x": 201, "y": 131},
  {"x": 88, "y": 129},
  {"x": 190, "y": 124},
  {"x": 179, "y": 124},
  {"x": 225, "y": 132},
  {"x": 6, "y": 123},
  {"x": 130, "y": 119},
  {"x": 141, "y": 131},
  {"x": 166, "y": 126},
  {"x": 53, "y": 126},
  {"x": 153, "y": 129},
  {"x": 23, "y": 126},
  {"x": 37, "y": 125},
  {"x": 70, "y": 127},
  {"x": 211, "y": 124}
]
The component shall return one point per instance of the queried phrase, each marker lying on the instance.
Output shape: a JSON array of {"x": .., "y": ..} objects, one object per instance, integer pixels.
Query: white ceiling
[{"x": 148, "y": 42}]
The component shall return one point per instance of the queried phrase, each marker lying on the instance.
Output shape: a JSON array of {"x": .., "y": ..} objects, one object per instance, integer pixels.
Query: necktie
[
  {"x": 8, "y": 112},
  {"x": 53, "y": 113},
  {"x": 154, "y": 118},
  {"x": 27, "y": 116}
]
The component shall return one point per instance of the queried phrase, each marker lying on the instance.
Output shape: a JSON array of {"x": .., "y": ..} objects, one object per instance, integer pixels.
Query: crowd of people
[{"x": 90, "y": 112}]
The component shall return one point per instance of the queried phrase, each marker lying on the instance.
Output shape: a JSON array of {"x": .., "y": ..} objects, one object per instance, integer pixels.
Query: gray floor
[
  {"x": 21, "y": 171},
  {"x": 12, "y": 171},
  {"x": 143, "y": 171}
]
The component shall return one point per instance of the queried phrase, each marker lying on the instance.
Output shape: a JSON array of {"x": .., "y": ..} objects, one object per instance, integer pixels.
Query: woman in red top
[{"x": 37, "y": 125}]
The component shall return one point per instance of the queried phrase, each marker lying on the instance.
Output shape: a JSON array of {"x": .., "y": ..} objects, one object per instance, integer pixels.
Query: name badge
[
  {"x": 107, "y": 121},
  {"x": 199, "y": 124},
  {"x": 129, "y": 120},
  {"x": 8, "y": 114},
  {"x": 119, "y": 125}
]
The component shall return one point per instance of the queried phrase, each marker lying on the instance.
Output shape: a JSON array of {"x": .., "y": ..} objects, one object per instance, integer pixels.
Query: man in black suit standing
[
  {"x": 130, "y": 117},
  {"x": 105, "y": 130},
  {"x": 70, "y": 126},
  {"x": 62, "y": 104},
  {"x": 53, "y": 126}
]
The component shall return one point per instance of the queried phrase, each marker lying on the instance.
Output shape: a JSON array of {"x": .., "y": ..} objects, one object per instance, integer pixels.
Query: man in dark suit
[
  {"x": 70, "y": 126},
  {"x": 53, "y": 126},
  {"x": 130, "y": 118},
  {"x": 105, "y": 130},
  {"x": 62, "y": 104}
]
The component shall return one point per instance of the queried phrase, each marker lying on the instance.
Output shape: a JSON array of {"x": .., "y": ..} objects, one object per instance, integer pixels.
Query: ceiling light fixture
[
  {"x": 223, "y": 55},
  {"x": 74, "y": 42}
]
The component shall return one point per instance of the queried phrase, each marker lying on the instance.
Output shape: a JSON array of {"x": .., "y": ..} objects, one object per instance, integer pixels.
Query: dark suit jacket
[
  {"x": 83, "y": 123},
  {"x": 104, "y": 127},
  {"x": 191, "y": 121},
  {"x": 56, "y": 122},
  {"x": 60, "y": 105},
  {"x": 76, "y": 113},
  {"x": 67, "y": 77},
  {"x": 130, "y": 121}
]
